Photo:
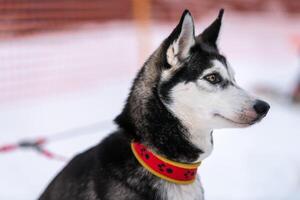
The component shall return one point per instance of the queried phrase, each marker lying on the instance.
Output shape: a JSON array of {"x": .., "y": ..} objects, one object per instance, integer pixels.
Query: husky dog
[{"x": 184, "y": 90}]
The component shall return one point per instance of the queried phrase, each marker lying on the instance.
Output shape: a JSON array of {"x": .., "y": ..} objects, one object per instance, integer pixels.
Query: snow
[{"x": 60, "y": 81}]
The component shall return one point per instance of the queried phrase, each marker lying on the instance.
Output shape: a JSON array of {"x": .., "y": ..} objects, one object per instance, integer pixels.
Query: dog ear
[
  {"x": 181, "y": 40},
  {"x": 211, "y": 33}
]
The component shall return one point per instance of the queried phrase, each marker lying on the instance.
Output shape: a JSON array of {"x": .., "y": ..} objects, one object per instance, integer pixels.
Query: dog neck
[
  {"x": 157, "y": 128},
  {"x": 202, "y": 139}
]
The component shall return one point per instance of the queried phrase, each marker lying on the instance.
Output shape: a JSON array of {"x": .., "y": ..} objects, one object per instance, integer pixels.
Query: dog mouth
[{"x": 239, "y": 123}]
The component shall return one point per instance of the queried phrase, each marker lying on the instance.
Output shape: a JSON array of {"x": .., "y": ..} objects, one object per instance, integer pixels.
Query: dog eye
[{"x": 213, "y": 78}]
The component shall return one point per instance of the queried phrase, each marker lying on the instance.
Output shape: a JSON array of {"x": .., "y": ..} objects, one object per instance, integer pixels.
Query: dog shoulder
[{"x": 73, "y": 178}]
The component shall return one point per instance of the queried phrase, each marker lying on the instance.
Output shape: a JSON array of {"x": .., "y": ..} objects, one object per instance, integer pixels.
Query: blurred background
[{"x": 66, "y": 67}]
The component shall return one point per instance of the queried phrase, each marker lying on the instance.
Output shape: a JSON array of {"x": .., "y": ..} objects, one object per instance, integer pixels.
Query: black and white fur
[{"x": 184, "y": 91}]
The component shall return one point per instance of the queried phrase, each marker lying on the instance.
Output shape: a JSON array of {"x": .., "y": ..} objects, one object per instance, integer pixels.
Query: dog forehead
[{"x": 221, "y": 67}]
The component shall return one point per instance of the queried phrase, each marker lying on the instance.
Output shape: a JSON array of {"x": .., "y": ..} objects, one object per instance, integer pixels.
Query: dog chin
[{"x": 237, "y": 123}]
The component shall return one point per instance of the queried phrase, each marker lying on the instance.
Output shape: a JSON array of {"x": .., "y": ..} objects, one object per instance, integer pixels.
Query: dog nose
[{"x": 261, "y": 107}]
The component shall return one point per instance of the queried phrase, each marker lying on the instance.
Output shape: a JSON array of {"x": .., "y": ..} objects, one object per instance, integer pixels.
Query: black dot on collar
[{"x": 147, "y": 156}]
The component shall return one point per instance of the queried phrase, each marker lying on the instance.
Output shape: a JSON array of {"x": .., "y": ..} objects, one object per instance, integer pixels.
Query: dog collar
[{"x": 175, "y": 172}]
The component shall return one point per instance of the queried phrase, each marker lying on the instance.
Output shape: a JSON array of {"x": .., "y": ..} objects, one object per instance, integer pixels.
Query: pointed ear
[
  {"x": 211, "y": 33},
  {"x": 181, "y": 40}
]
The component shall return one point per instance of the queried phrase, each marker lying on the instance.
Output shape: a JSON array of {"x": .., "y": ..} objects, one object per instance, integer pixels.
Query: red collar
[{"x": 175, "y": 172}]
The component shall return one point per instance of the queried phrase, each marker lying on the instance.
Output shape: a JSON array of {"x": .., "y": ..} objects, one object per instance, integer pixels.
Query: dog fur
[{"x": 184, "y": 90}]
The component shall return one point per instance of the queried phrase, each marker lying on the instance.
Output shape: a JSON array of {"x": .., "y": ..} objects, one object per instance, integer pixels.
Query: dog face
[{"x": 198, "y": 85}]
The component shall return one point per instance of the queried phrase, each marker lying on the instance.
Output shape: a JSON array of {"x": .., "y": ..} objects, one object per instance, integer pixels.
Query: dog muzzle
[{"x": 175, "y": 172}]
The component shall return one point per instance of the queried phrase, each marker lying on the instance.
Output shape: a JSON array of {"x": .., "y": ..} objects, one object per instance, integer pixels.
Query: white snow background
[{"x": 59, "y": 81}]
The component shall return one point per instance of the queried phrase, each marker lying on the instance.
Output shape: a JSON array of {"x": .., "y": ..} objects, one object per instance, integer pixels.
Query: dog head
[{"x": 197, "y": 84}]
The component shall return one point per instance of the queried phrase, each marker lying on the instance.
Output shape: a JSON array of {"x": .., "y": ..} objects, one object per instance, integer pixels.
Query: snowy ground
[{"x": 57, "y": 82}]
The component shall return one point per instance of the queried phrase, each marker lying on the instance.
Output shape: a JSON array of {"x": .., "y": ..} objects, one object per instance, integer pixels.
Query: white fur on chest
[{"x": 171, "y": 191}]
